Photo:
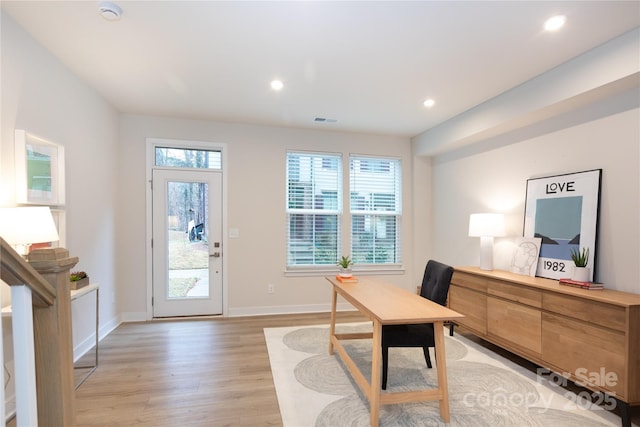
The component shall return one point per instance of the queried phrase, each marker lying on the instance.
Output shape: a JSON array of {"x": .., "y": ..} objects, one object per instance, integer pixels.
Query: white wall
[
  {"x": 255, "y": 206},
  {"x": 105, "y": 156},
  {"x": 582, "y": 115},
  {"x": 495, "y": 181},
  {"x": 43, "y": 97}
]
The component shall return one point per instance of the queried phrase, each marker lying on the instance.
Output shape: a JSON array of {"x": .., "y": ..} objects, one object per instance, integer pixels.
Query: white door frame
[
  {"x": 204, "y": 305},
  {"x": 182, "y": 143}
]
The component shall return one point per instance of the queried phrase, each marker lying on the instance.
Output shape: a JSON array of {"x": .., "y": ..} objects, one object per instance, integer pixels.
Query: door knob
[{"x": 215, "y": 255}]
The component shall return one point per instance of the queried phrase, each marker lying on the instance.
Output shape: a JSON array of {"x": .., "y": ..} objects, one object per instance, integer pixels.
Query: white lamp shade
[
  {"x": 27, "y": 225},
  {"x": 486, "y": 224}
]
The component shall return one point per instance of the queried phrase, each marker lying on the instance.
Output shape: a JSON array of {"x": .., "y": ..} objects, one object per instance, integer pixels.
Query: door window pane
[{"x": 188, "y": 252}]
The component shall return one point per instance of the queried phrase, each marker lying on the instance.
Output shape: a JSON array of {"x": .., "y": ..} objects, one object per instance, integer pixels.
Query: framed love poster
[{"x": 562, "y": 210}]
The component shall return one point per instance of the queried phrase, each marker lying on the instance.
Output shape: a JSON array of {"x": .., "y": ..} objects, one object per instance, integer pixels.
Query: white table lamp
[
  {"x": 486, "y": 226},
  {"x": 23, "y": 226}
]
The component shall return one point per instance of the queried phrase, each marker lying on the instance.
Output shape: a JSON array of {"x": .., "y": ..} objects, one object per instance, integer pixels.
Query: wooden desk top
[{"x": 391, "y": 304}]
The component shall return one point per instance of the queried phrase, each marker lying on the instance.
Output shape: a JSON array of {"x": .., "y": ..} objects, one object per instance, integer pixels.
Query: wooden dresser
[{"x": 589, "y": 336}]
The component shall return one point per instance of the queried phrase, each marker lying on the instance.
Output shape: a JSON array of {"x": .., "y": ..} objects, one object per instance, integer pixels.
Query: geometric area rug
[{"x": 314, "y": 389}]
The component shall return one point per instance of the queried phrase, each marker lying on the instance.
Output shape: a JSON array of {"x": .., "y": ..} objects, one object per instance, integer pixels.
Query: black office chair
[{"x": 435, "y": 287}]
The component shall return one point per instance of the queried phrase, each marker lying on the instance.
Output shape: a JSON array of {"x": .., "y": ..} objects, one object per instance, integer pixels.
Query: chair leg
[
  {"x": 385, "y": 366},
  {"x": 425, "y": 350},
  {"x": 451, "y": 325}
]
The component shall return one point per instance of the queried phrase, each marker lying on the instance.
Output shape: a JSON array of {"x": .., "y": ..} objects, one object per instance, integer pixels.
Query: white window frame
[
  {"x": 345, "y": 221},
  {"x": 387, "y": 267},
  {"x": 337, "y": 210}
]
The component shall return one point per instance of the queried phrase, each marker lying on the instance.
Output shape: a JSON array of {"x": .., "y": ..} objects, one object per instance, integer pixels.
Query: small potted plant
[
  {"x": 78, "y": 280},
  {"x": 345, "y": 264},
  {"x": 581, "y": 272}
]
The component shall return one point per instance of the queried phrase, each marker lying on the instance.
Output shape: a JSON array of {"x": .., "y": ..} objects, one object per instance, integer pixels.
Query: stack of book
[
  {"x": 583, "y": 285},
  {"x": 351, "y": 279}
]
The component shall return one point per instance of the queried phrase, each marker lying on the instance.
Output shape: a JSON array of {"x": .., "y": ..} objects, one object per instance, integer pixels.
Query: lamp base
[{"x": 486, "y": 253}]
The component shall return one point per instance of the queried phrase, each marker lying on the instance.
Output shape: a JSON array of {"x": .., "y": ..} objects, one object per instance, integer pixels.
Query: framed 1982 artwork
[{"x": 562, "y": 210}]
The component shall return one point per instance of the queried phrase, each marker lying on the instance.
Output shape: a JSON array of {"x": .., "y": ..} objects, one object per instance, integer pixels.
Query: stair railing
[{"x": 42, "y": 335}]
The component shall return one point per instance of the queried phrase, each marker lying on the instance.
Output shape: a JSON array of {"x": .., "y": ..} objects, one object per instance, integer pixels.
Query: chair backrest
[{"x": 435, "y": 282}]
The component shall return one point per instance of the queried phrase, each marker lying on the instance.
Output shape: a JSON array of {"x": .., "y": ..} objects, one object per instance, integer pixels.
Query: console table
[
  {"x": 75, "y": 294},
  {"x": 78, "y": 293},
  {"x": 588, "y": 336}
]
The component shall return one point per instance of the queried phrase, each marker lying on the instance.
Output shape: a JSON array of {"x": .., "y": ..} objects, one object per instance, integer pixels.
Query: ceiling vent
[{"x": 324, "y": 120}]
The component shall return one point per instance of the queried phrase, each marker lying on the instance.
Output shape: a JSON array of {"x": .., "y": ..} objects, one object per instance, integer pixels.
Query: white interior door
[{"x": 187, "y": 243}]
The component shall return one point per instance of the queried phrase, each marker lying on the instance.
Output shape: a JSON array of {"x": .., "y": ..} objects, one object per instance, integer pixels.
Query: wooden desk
[{"x": 387, "y": 304}]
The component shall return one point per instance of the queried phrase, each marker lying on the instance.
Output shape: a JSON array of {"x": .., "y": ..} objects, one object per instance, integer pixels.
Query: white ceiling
[{"x": 367, "y": 64}]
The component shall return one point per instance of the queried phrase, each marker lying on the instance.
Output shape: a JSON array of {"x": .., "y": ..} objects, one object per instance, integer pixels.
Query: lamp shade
[
  {"x": 486, "y": 224},
  {"x": 27, "y": 225}
]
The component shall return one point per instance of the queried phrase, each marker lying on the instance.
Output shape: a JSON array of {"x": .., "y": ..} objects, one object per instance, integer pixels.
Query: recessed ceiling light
[
  {"x": 429, "y": 103},
  {"x": 110, "y": 11},
  {"x": 277, "y": 85},
  {"x": 555, "y": 23}
]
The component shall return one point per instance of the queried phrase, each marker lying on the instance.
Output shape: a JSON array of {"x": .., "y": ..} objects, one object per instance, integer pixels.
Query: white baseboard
[
  {"x": 254, "y": 311},
  {"x": 132, "y": 316},
  {"x": 288, "y": 309},
  {"x": 85, "y": 346},
  {"x": 109, "y": 326}
]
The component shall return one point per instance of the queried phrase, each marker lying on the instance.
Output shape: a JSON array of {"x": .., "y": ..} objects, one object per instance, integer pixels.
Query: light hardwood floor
[{"x": 203, "y": 372}]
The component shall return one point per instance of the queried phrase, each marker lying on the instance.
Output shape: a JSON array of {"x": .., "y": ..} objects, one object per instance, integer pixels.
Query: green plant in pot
[
  {"x": 345, "y": 264},
  {"x": 78, "y": 279},
  {"x": 580, "y": 258}
]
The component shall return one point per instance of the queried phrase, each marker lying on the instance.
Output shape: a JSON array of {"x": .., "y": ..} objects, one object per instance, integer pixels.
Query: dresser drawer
[
  {"x": 472, "y": 304},
  {"x": 470, "y": 281},
  {"x": 521, "y": 294},
  {"x": 593, "y": 355},
  {"x": 613, "y": 316},
  {"x": 515, "y": 323}
]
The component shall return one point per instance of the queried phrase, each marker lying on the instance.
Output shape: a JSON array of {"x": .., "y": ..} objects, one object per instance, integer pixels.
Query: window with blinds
[
  {"x": 376, "y": 210},
  {"x": 314, "y": 208}
]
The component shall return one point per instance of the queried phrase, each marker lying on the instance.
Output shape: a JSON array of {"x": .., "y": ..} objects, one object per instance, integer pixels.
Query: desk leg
[
  {"x": 376, "y": 356},
  {"x": 332, "y": 327},
  {"x": 442, "y": 371}
]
